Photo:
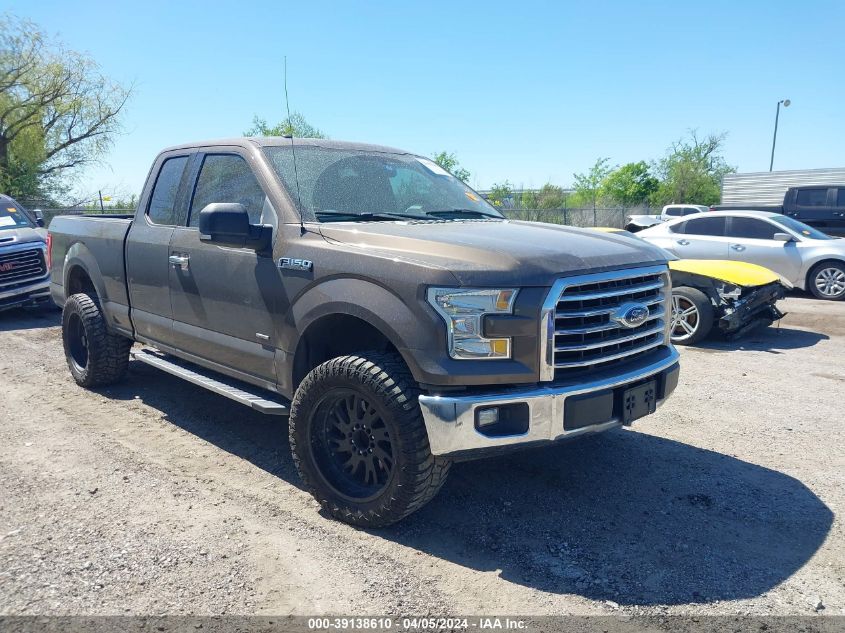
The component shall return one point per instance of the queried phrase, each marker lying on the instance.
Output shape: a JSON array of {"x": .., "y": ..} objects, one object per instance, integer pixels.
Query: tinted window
[
  {"x": 811, "y": 197},
  {"x": 752, "y": 228},
  {"x": 227, "y": 178},
  {"x": 705, "y": 226},
  {"x": 840, "y": 198},
  {"x": 673, "y": 212},
  {"x": 691, "y": 210},
  {"x": 162, "y": 209}
]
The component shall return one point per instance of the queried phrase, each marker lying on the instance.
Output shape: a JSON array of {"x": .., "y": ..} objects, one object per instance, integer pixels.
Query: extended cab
[
  {"x": 23, "y": 257},
  {"x": 820, "y": 206},
  {"x": 397, "y": 318}
]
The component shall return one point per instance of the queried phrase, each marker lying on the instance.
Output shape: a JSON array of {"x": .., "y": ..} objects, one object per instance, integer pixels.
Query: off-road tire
[
  {"x": 706, "y": 316},
  {"x": 417, "y": 475},
  {"x": 811, "y": 280},
  {"x": 107, "y": 354}
]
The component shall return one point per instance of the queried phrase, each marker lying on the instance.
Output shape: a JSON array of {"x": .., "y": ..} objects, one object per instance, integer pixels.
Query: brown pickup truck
[{"x": 395, "y": 316}]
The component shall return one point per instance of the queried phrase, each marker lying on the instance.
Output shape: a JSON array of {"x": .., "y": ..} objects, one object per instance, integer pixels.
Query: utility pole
[{"x": 785, "y": 103}]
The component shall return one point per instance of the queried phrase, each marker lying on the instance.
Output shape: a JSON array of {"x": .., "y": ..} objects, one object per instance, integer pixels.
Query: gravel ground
[{"x": 155, "y": 497}]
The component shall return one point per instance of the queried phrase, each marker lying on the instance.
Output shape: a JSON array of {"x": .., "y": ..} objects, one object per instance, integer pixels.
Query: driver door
[
  {"x": 752, "y": 240},
  {"x": 224, "y": 299}
]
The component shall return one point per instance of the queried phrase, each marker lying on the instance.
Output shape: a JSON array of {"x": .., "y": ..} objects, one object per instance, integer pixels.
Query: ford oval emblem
[{"x": 631, "y": 314}]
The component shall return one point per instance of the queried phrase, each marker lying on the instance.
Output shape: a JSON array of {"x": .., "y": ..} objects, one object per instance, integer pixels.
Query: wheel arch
[{"x": 823, "y": 260}]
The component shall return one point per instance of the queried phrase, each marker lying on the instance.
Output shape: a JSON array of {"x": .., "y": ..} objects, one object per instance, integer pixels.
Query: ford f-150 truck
[
  {"x": 23, "y": 257},
  {"x": 395, "y": 316}
]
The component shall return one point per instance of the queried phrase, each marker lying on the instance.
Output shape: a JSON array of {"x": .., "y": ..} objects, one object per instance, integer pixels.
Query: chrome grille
[
  {"x": 20, "y": 265},
  {"x": 581, "y": 334}
]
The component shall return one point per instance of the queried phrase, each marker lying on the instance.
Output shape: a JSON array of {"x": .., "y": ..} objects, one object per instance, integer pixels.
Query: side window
[
  {"x": 811, "y": 198},
  {"x": 713, "y": 226},
  {"x": 691, "y": 211},
  {"x": 680, "y": 227},
  {"x": 227, "y": 178},
  {"x": 840, "y": 198},
  {"x": 162, "y": 208},
  {"x": 674, "y": 211},
  {"x": 752, "y": 228}
]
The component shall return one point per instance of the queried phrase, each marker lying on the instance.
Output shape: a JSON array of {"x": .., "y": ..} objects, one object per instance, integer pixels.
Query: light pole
[{"x": 785, "y": 103}]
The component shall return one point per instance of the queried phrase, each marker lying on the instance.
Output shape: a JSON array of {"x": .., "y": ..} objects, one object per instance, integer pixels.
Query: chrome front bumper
[{"x": 450, "y": 420}]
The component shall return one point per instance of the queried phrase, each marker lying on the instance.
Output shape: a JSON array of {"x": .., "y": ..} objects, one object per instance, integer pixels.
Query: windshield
[
  {"x": 805, "y": 230},
  {"x": 340, "y": 185},
  {"x": 12, "y": 216}
]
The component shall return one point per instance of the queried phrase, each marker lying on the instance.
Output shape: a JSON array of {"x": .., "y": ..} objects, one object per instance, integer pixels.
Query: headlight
[{"x": 463, "y": 310}]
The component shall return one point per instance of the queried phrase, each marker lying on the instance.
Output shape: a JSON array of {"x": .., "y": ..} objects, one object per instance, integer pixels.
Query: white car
[
  {"x": 804, "y": 256},
  {"x": 634, "y": 223}
]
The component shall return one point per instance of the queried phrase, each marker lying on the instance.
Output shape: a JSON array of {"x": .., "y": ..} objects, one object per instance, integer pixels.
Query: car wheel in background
[
  {"x": 827, "y": 281},
  {"x": 692, "y": 316}
]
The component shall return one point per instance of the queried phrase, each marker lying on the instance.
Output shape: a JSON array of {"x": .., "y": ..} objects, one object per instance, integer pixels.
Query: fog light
[{"x": 486, "y": 417}]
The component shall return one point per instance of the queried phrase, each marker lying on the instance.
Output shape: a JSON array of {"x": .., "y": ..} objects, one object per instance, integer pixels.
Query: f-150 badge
[{"x": 295, "y": 264}]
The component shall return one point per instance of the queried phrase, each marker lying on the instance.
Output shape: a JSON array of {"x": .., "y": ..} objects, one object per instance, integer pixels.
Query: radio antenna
[{"x": 289, "y": 134}]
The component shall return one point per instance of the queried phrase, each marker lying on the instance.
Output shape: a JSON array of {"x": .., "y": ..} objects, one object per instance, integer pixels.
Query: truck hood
[
  {"x": 21, "y": 235},
  {"x": 495, "y": 252}
]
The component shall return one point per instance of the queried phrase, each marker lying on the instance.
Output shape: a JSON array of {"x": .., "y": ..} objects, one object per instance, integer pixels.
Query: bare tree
[{"x": 58, "y": 112}]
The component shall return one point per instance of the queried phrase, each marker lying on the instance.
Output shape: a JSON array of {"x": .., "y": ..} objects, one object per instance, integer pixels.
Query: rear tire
[
  {"x": 692, "y": 316},
  {"x": 95, "y": 356},
  {"x": 359, "y": 441},
  {"x": 827, "y": 281}
]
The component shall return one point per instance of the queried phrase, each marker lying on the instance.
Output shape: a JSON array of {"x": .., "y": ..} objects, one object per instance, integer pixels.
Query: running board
[{"x": 211, "y": 380}]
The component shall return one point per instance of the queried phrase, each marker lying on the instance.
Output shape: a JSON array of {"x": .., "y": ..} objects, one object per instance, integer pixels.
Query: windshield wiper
[
  {"x": 368, "y": 217},
  {"x": 464, "y": 212}
]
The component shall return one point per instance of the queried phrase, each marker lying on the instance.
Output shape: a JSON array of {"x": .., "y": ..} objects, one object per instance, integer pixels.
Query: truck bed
[{"x": 98, "y": 242}]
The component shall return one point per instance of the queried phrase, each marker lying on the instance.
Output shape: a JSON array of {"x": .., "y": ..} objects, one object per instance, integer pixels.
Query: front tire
[
  {"x": 827, "y": 281},
  {"x": 692, "y": 316},
  {"x": 359, "y": 442},
  {"x": 95, "y": 356}
]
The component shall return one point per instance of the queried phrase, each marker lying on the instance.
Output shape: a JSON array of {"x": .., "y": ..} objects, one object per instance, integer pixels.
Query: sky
[{"x": 529, "y": 92}]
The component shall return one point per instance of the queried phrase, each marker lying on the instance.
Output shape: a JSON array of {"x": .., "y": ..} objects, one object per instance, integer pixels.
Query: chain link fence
[{"x": 614, "y": 217}]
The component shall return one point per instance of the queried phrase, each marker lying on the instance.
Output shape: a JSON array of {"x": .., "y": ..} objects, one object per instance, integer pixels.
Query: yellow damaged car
[{"x": 732, "y": 296}]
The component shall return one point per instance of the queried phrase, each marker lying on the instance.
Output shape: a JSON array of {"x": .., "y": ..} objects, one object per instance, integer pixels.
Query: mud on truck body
[{"x": 396, "y": 318}]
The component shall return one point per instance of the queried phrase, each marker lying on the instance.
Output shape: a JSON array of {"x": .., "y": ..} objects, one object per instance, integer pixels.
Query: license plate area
[{"x": 637, "y": 402}]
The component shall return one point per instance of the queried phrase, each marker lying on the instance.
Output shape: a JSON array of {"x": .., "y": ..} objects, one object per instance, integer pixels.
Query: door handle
[
  {"x": 738, "y": 247},
  {"x": 179, "y": 261},
  {"x": 683, "y": 242}
]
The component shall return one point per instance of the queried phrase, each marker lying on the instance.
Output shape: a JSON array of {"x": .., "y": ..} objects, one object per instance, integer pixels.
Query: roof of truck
[{"x": 277, "y": 141}]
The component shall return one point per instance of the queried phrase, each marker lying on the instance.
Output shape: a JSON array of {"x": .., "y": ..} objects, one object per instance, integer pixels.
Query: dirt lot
[{"x": 157, "y": 497}]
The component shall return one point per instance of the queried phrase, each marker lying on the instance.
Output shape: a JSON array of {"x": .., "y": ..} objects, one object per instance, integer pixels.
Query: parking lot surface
[{"x": 157, "y": 497}]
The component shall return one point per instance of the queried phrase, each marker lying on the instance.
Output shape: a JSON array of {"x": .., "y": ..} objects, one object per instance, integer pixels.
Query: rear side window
[
  {"x": 162, "y": 208},
  {"x": 227, "y": 178},
  {"x": 840, "y": 198},
  {"x": 713, "y": 226},
  {"x": 752, "y": 228},
  {"x": 691, "y": 210},
  {"x": 811, "y": 197}
]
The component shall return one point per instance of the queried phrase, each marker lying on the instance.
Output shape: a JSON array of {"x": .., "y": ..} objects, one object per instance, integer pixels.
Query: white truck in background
[{"x": 634, "y": 223}]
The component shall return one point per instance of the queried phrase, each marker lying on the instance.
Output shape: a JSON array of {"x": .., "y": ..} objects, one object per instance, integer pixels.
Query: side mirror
[
  {"x": 783, "y": 237},
  {"x": 39, "y": 217},
  {"x": 227, "y": 224}
]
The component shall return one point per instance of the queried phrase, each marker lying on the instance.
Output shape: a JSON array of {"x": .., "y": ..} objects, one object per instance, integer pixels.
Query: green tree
[
  {"x": 499, "y": 193},
  {"x": 588, "y": 185},
  {"x": 692, "y": 170},
  {"x": 295, "y": 125},
  {"x": 449, "y": 162},
  {"x": 58, "y": 112},
  {"x": 630, "y": 184}
]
